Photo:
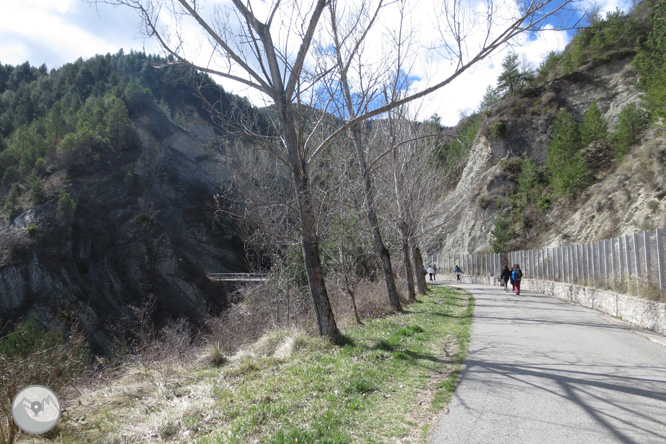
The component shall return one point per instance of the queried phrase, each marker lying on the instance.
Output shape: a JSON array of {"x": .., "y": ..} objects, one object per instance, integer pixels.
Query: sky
[{"x": 56, "y": 32}]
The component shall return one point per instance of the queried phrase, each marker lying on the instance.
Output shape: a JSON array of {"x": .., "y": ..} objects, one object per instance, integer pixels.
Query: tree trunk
[
  {"x": 402, "y": 223},
  {"x": 408, "y": 263},
  {"x": 309, "y": 240},
  {"x": 418, "y": 268},
  {"x": 380, "y": 248}
]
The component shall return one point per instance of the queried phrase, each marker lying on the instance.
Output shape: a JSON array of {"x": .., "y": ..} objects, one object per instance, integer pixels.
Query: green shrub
[
  {"x": 498, "y": 130},
  {"x": 11, "y": 175},
  {"x": 37, "y": 192},
  {"x": 631, "y": 123},
  {"x": 66, "y": 208},
  {"x": 450, "y": 155},
  {"x": 544, "y": 203},
  {"x": 548, "y": 67},
  {"x": 31, "y": 229},
  {"x": 12, "y": 205},
  {"x": 612, "y": 33},
  {"x": 128, "y": 179}
]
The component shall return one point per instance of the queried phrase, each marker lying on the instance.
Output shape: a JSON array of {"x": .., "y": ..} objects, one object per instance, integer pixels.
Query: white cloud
[
  {"x": 612, "y": 5},
  {"x": 13, "y": 53},
  {"x": 39, "y": 31},
  {"x": 465, "y": 93},
  {"x": 60, "y": 31}
]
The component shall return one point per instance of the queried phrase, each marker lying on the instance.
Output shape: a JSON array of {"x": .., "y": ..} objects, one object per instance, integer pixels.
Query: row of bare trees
[{"x": 334, "y": 89}]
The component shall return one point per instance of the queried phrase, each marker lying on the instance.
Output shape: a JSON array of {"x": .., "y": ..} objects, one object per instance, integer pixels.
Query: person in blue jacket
[
  {"x": 516, "y": 276},
  {"x": 457, "y": 271}
]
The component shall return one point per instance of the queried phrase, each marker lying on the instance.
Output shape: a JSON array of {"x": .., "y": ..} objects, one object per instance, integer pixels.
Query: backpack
[{"x": 519, "y": 274}]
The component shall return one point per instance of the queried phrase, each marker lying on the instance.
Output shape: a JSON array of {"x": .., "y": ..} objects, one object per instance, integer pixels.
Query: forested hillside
[
  {"x": 570, "y": 152},
  {"x": 109, "y": 167}
]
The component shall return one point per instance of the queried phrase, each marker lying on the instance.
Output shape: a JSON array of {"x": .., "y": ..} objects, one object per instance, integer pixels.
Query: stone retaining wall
[{"x": 642, "y": 313}]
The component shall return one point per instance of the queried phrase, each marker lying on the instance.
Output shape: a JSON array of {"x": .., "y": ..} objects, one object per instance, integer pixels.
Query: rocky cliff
[
  {"x": 142, "y": 231},
  {"x": 626, "y": 195}
]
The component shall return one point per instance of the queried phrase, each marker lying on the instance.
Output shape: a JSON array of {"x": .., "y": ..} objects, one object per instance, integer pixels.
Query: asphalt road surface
[{"x": 540, "y": 370}]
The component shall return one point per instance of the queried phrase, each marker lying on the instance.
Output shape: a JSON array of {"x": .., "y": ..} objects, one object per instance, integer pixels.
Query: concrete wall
[{"x": 642, "y": 313}]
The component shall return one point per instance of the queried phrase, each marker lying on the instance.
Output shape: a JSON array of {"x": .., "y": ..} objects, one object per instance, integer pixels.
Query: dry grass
[
  {"x": 288, "y": 386},
  {"x": 169, "y": 391}
]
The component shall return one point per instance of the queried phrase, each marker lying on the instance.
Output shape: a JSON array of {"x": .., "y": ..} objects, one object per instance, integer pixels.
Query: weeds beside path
[{"x": 387, "y": 385}]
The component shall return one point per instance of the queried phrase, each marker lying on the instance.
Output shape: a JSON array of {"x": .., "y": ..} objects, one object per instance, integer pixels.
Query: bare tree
[
  {"x": 414, "y": 167},
  {"x": 349, "y": 44},
  {"x": 411, "y": 183},
  {"x": 268, "y": 47}
]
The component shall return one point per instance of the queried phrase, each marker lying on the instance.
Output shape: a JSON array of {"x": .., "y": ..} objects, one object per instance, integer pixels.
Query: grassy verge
[{"x": 388, "y": 384}]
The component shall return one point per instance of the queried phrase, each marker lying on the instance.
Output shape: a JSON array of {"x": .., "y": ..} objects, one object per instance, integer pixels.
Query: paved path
[{"x": 540, "y": 370}]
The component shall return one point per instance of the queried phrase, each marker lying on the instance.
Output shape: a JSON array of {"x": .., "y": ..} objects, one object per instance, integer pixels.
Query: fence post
[
  {"x": 595, "y": 262},
  {"x": 612, "y": 242},
  {"x": 560, "y": 260},
  {"x": 567, "y": 264},
  {"x": 574, "y": 264},
  {"x": 560, "y": 264},
  {"x": 584, "y": 268},
  {"x": 579, "y": 263},
  {"x": 583, "y": 264},
  {"x": 659, "y": 261},
  {"x": 626, "y": 258},
  {"x": 620, "y": 259},
  {"x": 605, "y": 253},
  {"x": 588, "y": 271},
  {"x": 647, "y": 256},
  {"x": 636, "y": 255}
]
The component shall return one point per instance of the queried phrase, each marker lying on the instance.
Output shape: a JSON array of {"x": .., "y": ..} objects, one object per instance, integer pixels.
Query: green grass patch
[{"x": 381, "y": 386}]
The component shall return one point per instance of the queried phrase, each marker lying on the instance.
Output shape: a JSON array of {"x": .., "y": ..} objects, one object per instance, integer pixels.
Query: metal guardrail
[{"x": 237, "y": 277}]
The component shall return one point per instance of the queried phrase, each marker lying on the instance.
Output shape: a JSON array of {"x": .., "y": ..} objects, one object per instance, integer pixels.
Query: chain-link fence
[{"x": 631, "y": 264}]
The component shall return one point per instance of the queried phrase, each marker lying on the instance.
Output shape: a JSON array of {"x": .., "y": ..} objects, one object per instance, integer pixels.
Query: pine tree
[
  {"x": 503, "y": 233},
  {"x": 12, "y": 205},
  {"x": 511, "y": 79},
  {"x": 594, "y": 128},
  {"x": 567, "y": 168},
  {"x": 649, "y": 61},
  {"x": 631, "y": 122}
]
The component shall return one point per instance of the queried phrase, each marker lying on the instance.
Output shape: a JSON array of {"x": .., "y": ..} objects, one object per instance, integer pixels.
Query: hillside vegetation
[
  {"x": 108, "y": 170},
  {"x": 573, "y": 151}
]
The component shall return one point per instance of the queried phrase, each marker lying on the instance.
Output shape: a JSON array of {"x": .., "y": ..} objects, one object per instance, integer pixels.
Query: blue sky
[{"x": 55, "y": 32}]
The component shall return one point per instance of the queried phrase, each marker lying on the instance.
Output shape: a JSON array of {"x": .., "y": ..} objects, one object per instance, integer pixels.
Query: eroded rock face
[
  {"x": 626, "y": 198},
  {"x": 149, "y": 236}
]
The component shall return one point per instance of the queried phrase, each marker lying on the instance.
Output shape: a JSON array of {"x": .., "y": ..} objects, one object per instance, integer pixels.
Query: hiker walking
[
  {"x": 457, "y": 271},
  {"x": 431, "y": 272},
  {"x": 516, "y": 276},
  {"x": 504, "y": 277}
]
